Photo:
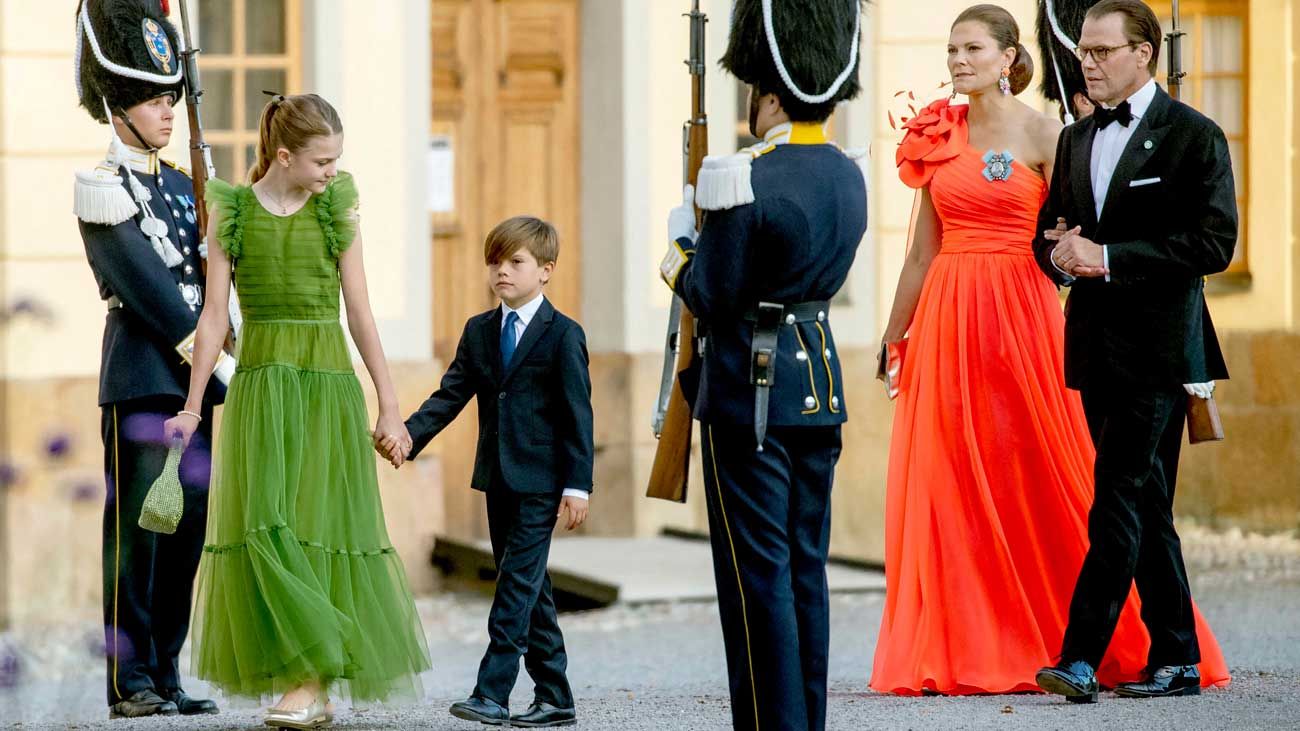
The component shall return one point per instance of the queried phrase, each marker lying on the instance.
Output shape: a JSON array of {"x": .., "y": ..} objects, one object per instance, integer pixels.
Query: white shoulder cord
[
  {"x": 152, "y": 227},
  {"x": 118, "y": 69},
  {"x": 785, "y": 75},
  {"x": 1056, "y": 67},
  {"x": 76, "y": 59}
]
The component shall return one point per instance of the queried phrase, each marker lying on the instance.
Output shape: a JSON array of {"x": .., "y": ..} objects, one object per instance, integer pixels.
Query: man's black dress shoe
[
  {"x": 483, "y": 710},
  {"x": 541, "y": 714},
  {"x": 1164, "y": 681},
  {"x": 143, "y": 703},
  {"x": 1074, "y": 680},
  {"x": 186, "y": 705}
]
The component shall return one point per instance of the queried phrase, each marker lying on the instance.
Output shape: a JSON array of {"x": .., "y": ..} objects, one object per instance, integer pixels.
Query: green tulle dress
[{"x": 298, "y": 579}]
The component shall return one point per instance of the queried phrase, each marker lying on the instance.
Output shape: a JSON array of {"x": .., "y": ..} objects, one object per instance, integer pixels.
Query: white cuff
[
  {"x": 1105, "y": 259},
  {"x": 575, "y": 492},
  {"x": 1068, "y": 279}
]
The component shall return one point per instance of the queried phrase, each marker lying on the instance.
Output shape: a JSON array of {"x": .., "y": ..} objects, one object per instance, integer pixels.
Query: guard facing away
[
  {"x": 783, "y": 220},
  {"x": 137, "y": 218},
  {"x": 1058, "y": 27}
]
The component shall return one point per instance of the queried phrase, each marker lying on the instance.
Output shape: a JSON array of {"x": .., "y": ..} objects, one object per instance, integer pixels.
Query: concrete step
[{"x": 589, "y": 572}]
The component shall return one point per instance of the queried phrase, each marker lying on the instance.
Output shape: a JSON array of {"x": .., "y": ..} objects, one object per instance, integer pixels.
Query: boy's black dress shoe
[
  {"x": 186, "y": 705},
  {"x": 483, "y": 710},
  {"x": 144, "y": 703},
  {"x": 1164, "y": 681},
  {"x": 541, "y": 714},
  {"x": 1074, "y": 680}
]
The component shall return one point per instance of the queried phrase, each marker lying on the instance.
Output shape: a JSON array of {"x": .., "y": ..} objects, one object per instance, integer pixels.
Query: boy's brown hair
[{"x": 522, "y": 232}]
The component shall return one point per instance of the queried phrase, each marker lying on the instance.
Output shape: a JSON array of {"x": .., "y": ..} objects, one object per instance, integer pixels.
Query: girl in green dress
[{"x": 299, "y": 586}]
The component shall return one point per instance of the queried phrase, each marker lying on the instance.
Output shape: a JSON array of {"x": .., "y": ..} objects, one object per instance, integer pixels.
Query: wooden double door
[{"x": 505, "y": 125}]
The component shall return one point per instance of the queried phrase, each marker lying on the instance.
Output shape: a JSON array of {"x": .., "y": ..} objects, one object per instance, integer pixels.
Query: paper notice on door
[{"x": 442, "y": 175}]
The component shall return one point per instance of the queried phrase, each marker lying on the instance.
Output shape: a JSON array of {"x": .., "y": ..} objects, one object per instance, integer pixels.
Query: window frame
[
  {"x": 238, "y": 62},
  {"x": 1192, "y": 17}
]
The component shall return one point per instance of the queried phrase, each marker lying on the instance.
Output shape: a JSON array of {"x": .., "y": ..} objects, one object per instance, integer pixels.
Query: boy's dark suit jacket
[
  {"x": 534, "y": 418},
  {"x": 1149, "y": 326}
]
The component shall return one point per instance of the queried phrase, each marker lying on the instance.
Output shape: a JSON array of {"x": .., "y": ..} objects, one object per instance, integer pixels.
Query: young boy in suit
[{"x": 527, "y": 365}]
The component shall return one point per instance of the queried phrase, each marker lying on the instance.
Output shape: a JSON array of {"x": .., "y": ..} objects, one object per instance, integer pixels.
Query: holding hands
[
  {"x": 391, "y": 439},
  {"x": 1075, "y": 255}
]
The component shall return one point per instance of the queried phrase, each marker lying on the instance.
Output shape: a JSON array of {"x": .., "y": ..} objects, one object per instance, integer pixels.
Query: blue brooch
[
  {"x": 160, "y": 49},
  {"x": 997, "y": 166}
]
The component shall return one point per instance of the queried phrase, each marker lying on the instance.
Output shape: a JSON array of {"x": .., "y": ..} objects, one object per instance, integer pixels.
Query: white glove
[
  {"x": 681, "y": 220},
  {"x": 1199, "y": 390}
]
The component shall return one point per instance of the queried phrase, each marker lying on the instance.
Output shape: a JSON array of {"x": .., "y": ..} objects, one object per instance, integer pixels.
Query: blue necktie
[{"x": 508, "y": 339}]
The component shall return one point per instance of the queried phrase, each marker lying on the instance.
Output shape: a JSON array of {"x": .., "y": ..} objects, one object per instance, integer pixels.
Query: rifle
[
  {"x": 200, "y": 152},
  {"x": 672, "y": 418},
  {"x": 1175, "y": 40}
]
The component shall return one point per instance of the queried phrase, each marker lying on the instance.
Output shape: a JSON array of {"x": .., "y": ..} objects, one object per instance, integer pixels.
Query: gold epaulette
[{"x": 180, "y": 168}]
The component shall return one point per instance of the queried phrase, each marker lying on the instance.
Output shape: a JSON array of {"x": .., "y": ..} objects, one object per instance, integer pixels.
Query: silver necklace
[{"x": 284, "y": 210}]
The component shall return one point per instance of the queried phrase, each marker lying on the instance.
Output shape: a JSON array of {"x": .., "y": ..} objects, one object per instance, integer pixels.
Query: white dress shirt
[
  {"x": 526, "y": 313},
  {"x": 1109, "y": 144},
  {"x": 1107, "y": 148}
]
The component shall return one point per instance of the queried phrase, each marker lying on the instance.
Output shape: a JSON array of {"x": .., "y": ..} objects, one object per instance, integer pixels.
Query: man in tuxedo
[{"x": 1142, "y": 207}]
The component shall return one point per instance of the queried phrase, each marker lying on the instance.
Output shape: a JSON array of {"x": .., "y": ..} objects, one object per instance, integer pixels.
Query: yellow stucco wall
[{"x": 1269, "y": 302}]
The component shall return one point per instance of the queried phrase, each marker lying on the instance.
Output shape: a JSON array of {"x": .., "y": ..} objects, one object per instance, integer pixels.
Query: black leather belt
[{"x": 768, "y": 318}]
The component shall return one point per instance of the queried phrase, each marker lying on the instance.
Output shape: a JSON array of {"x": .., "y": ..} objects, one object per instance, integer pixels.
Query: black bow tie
[{"x": 1122, "y": 114}]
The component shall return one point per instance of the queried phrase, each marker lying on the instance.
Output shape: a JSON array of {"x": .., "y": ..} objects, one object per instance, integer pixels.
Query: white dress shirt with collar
[
  {"x": 526, "y": 313},
  {"x": 1109, "y": 144},
  {"x": 1107, "y": 148}
]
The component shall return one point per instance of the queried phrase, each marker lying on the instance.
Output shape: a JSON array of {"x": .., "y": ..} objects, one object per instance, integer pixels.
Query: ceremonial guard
[
  {"x": 138, "y": 222},
  {"x": 783, "y": 220},
  {"x": 1058, "y": 27}
]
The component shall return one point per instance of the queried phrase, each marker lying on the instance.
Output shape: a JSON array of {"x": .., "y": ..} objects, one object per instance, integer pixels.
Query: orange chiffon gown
[{"x": 990, "y": 465}]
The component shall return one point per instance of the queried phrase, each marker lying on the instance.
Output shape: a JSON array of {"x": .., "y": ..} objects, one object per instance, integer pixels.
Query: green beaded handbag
[{"x": 165, "y": 502}]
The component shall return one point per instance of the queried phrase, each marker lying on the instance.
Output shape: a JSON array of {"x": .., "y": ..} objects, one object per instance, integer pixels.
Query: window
[
  {"x": 246, "y": 46},
  {"x": 1214, "y": 58}
]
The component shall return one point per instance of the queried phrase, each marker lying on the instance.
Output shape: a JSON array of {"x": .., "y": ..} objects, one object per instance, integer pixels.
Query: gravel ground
[{"x": 661, "y": 666}]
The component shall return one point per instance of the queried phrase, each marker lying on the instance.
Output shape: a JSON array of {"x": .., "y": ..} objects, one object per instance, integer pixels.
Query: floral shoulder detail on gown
[
  {"x": 934, "y": 136},
  {"x": 233, "y": 204},
  {"x": 336, "y": 210}
]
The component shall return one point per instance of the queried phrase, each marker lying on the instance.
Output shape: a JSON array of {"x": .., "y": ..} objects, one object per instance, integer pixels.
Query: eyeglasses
[{"x": 1101, "y": 53}]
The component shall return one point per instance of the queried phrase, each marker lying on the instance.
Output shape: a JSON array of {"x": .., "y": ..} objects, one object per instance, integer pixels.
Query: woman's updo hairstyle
[
  {"x": 290, "y": 122},
  {"x": 1006, "y": 32}
]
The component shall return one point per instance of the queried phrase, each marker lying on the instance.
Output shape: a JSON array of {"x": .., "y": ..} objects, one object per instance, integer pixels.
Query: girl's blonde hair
[{"x": 290, "y": 122}]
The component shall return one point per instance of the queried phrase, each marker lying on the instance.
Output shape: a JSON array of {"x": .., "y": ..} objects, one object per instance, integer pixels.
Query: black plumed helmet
[
  {"x": 138, "y": 54},
  {"x": 1056, "y": 56},
  {"x": 816, "y": 40}
]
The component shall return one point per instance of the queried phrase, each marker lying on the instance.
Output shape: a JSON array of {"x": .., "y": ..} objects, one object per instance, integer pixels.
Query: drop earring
[{"x": 1004, "y": 81}]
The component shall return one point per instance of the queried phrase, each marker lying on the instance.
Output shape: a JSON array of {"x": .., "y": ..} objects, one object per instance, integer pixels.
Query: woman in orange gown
[{"x": 990, "y": 466}]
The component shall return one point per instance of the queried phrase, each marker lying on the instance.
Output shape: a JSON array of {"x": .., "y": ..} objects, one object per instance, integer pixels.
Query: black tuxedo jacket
[
  {"x": 534, "y": 418},
  {"x": 1149, "y": 326}
]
